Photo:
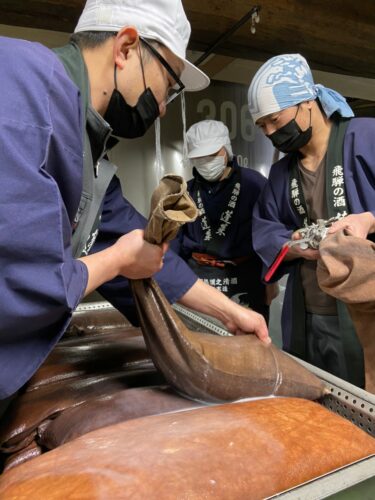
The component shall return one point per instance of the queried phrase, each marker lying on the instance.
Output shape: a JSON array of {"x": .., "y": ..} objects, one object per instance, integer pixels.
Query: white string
[
  {"x": 159, "y": 168},
  {"x": 185, "y": 160}
]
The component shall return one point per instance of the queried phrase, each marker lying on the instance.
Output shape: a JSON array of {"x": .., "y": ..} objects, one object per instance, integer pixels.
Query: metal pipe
[{"x": 255, "y": 10}]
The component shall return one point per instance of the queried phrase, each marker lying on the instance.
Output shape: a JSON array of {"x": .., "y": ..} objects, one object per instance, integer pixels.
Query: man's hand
[
  {"x": 296, "y": 252},
  {"x": 241, "y": 320},
  {"x": 359, "y": 225},
  {"x": 131, "y": 256},
  {"x": 136, "y": 258},
  {"x": 237, "y": 319}
]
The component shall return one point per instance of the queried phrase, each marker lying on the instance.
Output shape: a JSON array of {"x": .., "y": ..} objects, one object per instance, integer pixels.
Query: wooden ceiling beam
[{"x": 334, "y": 35}]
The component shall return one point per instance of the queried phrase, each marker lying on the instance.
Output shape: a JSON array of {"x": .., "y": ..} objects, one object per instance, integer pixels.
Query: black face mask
[
  {"x": 131, "y": 121},
  {"x": 290, "y": 137}
]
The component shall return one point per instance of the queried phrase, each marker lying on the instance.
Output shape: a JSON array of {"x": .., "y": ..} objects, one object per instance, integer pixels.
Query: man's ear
[
  {"x": 308, "y": 104},
  {"x": 126, "y": 40}
]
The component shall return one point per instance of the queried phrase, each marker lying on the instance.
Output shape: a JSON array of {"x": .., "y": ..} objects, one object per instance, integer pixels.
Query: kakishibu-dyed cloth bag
[
  {"x": 346, "y": 270},
  {"x": 99, "y": 374},
  {"x": 207, "y": 367},
  {"x": 235, "y": 451}
]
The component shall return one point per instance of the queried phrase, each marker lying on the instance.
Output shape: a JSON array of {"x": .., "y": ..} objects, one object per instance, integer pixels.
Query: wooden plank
[{"x": 335, "y": 35}]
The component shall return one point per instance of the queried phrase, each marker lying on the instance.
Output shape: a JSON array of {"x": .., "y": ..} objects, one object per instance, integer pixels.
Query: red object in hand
[
  {"x": 276, "y": 263},
  {"x": 281, "y": 255}
]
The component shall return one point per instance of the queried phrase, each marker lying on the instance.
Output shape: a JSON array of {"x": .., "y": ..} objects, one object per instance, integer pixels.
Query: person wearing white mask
[{"x": 218, "y": 245}]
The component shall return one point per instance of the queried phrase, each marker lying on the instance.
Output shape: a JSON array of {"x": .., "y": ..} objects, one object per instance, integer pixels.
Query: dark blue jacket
[
  {"x": 215, "y": 195},
  {"x": 275, "y": 220},
  {"x": 41, "y": 164}
]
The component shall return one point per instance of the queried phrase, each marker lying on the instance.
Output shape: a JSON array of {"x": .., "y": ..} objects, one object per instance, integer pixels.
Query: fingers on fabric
[
  {"x": 349, "y": 231},
  {"x": 262, "y": 331},
  {"x": 256, "y": 325},
  {"x": 359, "y": 230},
  {"x": 354, "y": 225},
  {"x": 338, "y": 226}
]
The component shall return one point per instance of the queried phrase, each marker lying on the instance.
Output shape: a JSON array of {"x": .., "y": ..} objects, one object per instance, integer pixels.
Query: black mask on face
[
  {"x": 131, "y": 121},
  {"x": 290, "y": 137}
]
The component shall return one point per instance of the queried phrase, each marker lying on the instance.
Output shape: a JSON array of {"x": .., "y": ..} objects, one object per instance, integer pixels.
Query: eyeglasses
[{"x": 173, "y": 92}]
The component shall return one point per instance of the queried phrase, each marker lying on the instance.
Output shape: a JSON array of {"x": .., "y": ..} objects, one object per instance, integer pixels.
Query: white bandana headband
[{"x": 285, "y": 81}]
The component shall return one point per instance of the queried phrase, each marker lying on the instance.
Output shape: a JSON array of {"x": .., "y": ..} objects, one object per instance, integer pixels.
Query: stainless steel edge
[{"x": 331, "y": 483}]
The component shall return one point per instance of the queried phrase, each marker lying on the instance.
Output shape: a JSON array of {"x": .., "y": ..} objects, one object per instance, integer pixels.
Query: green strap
[
  {"x": 71, "y": 57},
  {"x": 352, "y": 347},
  {"x": 94, "y": 186}
]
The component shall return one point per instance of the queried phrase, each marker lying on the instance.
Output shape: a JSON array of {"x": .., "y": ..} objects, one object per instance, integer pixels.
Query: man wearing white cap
[
  {"x": 218, "y": 245},
  {"x": 328, "y": 171},
  {"x": 65, "y": 227}
]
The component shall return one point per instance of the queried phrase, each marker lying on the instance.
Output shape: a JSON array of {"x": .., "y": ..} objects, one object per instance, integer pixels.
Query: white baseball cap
[
  {"x": 207, "y": 138},
  {"x": 164, "y": 21}
]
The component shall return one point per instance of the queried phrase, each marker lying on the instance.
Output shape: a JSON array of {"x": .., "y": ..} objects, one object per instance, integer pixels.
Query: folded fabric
[
  {"x": 234, "y": 451},
  {"x": 32, "y": 450},
  {"x": 114, "y": 352},
  {"x": 108, "y": 410},
  {"x": 346, "y": 270},
  {"x": 76, "y": 371},
  {"x": 98, "y": 363},
  {"x": 171, "y": 207},
  {"x": 19, "y": 427}
]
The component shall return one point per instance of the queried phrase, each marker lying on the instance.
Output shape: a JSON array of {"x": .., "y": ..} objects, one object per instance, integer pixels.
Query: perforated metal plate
[
  {"x": 347, "y": 400},
  {"x": 93, "y": 306}
]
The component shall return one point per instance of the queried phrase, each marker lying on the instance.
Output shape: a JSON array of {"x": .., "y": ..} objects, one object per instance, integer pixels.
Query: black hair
[{"x": 91, "y": 39}]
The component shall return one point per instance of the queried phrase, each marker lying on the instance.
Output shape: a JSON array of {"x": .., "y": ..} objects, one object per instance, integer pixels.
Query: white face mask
[{"x": 210, "y": 168}]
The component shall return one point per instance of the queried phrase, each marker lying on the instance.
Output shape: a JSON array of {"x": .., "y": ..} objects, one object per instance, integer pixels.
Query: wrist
[
  {"x": 221, "y": 306},
  {"x": 110, "y": 261},
  {"x": 207, "y": 300},
  {"x": 101, "y": 267}
]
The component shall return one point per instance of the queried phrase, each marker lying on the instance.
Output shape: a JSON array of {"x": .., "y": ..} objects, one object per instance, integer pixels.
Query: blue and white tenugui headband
[{"x": 286, "y": 80}]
